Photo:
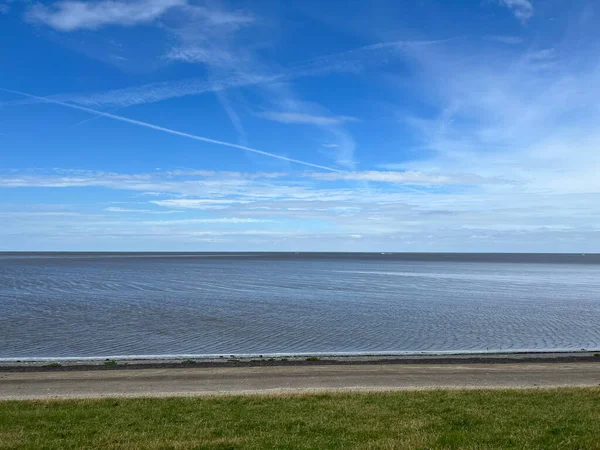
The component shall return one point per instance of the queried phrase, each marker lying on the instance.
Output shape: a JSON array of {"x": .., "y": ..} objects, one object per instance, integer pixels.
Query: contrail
[
  {"x": 176, "y": 133},
  {"x": 348, "y": 61}
]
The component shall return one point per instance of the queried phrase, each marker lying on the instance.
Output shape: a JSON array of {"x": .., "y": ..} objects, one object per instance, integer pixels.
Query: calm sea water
[{"x": 82, "y": 305}]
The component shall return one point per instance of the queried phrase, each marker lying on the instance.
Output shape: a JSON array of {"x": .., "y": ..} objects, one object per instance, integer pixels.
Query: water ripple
[{"x": 93, "y": 306}]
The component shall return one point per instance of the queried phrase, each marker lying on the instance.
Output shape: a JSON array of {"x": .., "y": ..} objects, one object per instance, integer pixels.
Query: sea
[{"x": 161, "y": 305}]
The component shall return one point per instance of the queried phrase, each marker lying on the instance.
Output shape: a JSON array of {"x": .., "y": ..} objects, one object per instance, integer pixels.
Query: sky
[{"x": 341, "y": 125}]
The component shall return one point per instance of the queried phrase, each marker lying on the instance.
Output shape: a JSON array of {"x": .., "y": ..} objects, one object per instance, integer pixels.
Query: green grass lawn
[{"x": 521, "y": 419}]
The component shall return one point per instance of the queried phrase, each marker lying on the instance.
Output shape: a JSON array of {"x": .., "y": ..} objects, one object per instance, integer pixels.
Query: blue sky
[{"x": 300, "y": 125}]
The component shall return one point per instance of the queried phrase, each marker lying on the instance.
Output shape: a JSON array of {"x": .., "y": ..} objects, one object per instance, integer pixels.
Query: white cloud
[
  {"x": 92, "y": 15},
  {"x": 300, "y": 118},
  {"x": 407, "y": 177},
  {"x": 126, "y": 210},
  {"x": 118, "y": 209},
  {"x": 197, "y": 203},
  {"x": 211, "y": 36},
  {"x": 506, "y": 153},
  {"x": 521, "y": 9},
  {"x": 240, "y": 233},
  {"x": 301, "y": 210},
  {"x": 530, "y": 117},
  {"x": 226, "y": 220},
  {"x": 208, "y": 37}
]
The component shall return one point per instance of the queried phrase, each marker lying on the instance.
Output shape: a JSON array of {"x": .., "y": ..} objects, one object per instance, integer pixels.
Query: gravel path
[{"x": 233, "y": 380}]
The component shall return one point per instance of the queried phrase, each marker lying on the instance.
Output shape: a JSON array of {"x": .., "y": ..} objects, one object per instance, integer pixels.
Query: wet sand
[{"x": 184, "y": 381}]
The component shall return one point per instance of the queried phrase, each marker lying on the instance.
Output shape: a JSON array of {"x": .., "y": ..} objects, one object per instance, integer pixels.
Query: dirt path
[{"x": 202, "y": 381}]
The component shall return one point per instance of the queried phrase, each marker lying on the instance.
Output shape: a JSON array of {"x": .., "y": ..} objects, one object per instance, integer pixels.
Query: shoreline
[{"x": 309, "y": 359}]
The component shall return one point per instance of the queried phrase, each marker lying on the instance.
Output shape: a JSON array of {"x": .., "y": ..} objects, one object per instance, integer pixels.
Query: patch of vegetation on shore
[
  {"x": 449, "y": 419},
  {"x": 54, "y": 364}
]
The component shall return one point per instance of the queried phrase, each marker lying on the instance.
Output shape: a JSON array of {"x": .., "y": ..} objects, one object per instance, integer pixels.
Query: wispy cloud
[
  {"x": 174, "y": 132},
  {"x": 283, "y": 104},
  {"x": 197, "y": 203},
  {"x": 234, "y": 117},
  {"x": 292, "y": 110},
  {"x": 508, "y": 40},
  {"x": 521, "y": 9},
  {"x": 370, "y": 56},
  {"x": 201, "y": 55},
  {"x": 5, "y": 5},
  {"x": 221, "y": 50},
  {"x": 117, "y": 209},
  {"x": 207, "y": 36},
  {"x": 528, "y": 116},
  {"x": 219, "y": 189},
  {"x": 244, "y": 69},
  {"x": 219, "y": 16},
  {"x": 408, "y": 177},
  {"x": 157, "y": 92},
  {"x": 300, "y": 118},
  {"x": 310, "y": 212},
  {"x": 494, "y": 148},
  {"x": 78, "y": 15},
  {"x": 221, "y": 220}
]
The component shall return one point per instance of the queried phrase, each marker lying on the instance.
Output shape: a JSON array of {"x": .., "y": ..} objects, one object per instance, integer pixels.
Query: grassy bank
[{"x": 531, "y": 419}]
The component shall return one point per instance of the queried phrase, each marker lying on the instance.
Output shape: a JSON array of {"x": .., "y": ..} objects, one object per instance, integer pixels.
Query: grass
[
  {"x": 312, "y": 358},
  {"x": 110, "y": 363},
  {"x": 450, "y": 419},
  {"x": 54, "y": 364}
]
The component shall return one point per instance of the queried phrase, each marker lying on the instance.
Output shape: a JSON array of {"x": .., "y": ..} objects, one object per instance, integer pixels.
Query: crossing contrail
[{"x": 174, "y": 132}]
